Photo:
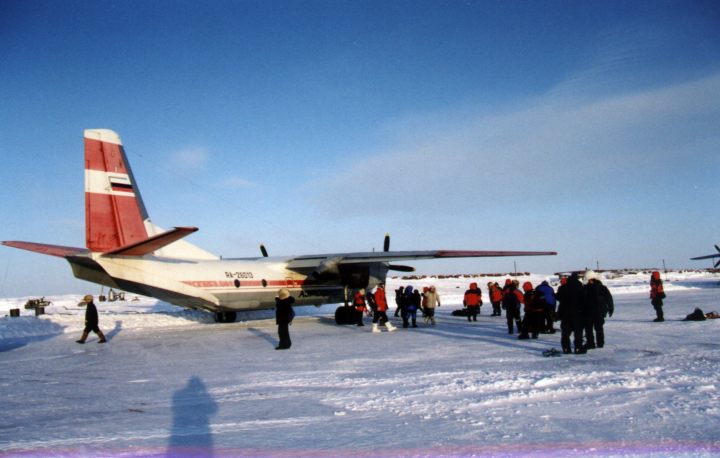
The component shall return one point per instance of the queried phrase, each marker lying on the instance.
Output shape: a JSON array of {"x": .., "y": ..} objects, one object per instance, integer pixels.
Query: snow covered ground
[{"x": 171, "y": 382}]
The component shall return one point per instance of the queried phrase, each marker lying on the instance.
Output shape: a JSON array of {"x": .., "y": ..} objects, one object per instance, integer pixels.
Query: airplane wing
[{"x": 300, "y": 262}]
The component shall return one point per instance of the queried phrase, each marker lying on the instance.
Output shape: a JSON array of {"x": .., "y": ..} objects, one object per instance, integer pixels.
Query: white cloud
[
  {"x": 558, "y": 144},
  {"x": 189, "y": 159},
  {"x": 237, "y": 183}
]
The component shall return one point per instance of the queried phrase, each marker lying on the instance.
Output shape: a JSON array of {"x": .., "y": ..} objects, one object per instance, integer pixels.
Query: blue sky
[{"x": 587, "y": 127}]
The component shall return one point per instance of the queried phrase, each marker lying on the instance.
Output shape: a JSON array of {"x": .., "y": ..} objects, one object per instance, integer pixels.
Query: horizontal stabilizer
[
  {"x": 153, "y": 243},
  {"x": 51, "y": 250}
]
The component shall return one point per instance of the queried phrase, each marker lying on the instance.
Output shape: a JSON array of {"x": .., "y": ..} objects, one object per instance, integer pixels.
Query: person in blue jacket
[
  {"x": 547, "y": 291},
  {"x": 412, "y": 304}
]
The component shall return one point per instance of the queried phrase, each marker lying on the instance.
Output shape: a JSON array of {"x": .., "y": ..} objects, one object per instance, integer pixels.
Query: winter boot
[
  {"x": 389, "y": 326},
  {"x": 83, "y": 338},
  {"x": 102, "y": 337},
  {"x": 510, "y": 328},
  {"x": 523, "y": 336},
  {"x": 375, "y": 328},
  {"x": 432, "y": 321}
]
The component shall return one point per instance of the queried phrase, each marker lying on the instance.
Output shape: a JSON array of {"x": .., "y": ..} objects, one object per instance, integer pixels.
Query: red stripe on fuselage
[{"x": 251, "y": 283}]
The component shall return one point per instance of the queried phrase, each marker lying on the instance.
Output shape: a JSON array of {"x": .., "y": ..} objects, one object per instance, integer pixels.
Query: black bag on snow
[{"x": 696, "y": 315}]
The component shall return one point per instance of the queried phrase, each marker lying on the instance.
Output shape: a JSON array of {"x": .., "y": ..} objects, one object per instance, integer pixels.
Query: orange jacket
[{"x": 473, "y": 296}]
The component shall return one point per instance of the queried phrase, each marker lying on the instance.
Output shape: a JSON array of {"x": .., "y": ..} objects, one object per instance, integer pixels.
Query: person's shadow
[
  {"x": 115, "y": 331},
  {"x": 190, "y": 434}
]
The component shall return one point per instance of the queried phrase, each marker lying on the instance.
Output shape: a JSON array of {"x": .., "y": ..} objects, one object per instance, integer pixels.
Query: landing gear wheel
[{"x": 225, "y": 317}]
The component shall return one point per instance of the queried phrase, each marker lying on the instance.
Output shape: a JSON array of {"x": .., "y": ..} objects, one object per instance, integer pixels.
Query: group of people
[
  {"x": 537, "y": 303},
  {"x": 582, "y": 312},
  {"x": 580, "y": 307},
  {"x": 408, "y": 301}
]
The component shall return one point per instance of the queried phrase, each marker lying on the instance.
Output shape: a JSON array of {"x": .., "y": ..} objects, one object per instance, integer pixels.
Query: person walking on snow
[
  {"x": 91, "y": 321},
  {"x": 360, "y": 306},
  {"x": 412, "y": 303},
  {"x": 399, "y": 301},
  {"x": 284, "y": 315},
  {"x": 380, "y": 316},
  {"x": 432, "y": 300},
  {"x": 657, "y": 294},
  {"x": 473, "y": 300}
]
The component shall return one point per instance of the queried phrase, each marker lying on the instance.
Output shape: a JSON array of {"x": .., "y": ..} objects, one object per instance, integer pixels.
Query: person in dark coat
[
  {"x": 412, "y": 304},
  {"x": 598, "y": 305},
  {"x": 512, "y": 298},
  {"x": 399, "y": 301},
  {"x": 284, "y": 315},
  {"x": 657, "y": 294},
  {"x": 91, "y": 321},
  {"x": 571, "y": 299}
]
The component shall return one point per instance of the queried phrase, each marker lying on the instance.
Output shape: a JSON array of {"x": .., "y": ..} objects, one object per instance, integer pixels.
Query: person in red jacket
[
  {"x": 360, "y": 305},
  {"x": 380, "y": 316},
  {"x": 534, "y": 310},
  {"x": 495, "y": 294},
  {"x": 657, "y": 294},
  {"x": 473, "y": 301}
]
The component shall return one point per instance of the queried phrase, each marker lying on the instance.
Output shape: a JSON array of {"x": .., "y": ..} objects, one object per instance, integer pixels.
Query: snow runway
[{"x": 169, "y": 383}]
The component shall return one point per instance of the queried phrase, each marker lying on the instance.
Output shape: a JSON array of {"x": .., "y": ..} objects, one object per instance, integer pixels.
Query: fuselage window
[
  {"x": 237, "y": 283},
  {"x": 264, "y": 283}
]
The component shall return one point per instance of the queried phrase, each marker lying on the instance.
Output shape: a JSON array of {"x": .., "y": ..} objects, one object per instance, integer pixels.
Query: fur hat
[
  {"x": 283, "y": 293},
  {"x": 590, "y": 275},
  {"x": 88, "y": 298}
]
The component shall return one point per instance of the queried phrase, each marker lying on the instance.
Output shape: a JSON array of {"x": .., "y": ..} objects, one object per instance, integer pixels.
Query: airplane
[
  {"x": 711, "y": 256},
  {"x": 126, "y": 251}
]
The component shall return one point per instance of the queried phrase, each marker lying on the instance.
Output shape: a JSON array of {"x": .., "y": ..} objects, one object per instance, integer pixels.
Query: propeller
[
  {"x": 711, "y": 256},
  {"x": 263, "y": 250},
  {"x": 386, "y": 248}
]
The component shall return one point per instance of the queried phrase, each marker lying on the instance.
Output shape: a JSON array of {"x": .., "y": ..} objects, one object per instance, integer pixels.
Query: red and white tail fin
[
  {"x": 115, "y": 215},
  {"x": 114, "y": 211}
]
